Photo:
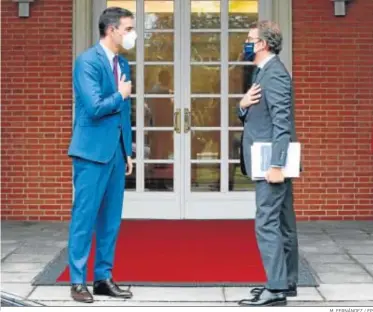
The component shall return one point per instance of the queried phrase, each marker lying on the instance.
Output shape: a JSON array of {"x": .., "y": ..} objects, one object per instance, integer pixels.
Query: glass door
[
  {"x": 215, "y": 79},
  {"x": 187, "y": 76},
  {"x": 154, "y": 188}
]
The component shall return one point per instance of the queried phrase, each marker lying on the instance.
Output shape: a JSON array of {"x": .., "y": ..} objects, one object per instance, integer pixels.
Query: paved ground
[{"x": 340, "y": 253}]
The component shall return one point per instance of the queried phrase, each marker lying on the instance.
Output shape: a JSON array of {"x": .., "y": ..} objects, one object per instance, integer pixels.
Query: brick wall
[
  {"x": 36, "y": 110},
  {"x": 333, "y": 74}
]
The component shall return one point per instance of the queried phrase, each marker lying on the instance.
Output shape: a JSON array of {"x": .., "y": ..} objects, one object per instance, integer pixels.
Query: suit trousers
[
  {"x": 276, "y": 233},
  {"x": 97, "y": 207}
]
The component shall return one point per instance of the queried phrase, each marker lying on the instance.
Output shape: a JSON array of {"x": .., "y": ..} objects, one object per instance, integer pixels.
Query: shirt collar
[
  {"x": 266, "y": 60},
  {"x": 110, "y": 54}
]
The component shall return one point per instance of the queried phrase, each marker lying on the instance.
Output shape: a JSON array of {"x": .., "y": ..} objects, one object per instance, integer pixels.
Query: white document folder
[{"x": 261, "y": 153}]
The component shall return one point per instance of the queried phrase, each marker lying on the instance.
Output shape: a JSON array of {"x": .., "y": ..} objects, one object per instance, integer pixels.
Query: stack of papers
[{"x": 261, "y": 153}]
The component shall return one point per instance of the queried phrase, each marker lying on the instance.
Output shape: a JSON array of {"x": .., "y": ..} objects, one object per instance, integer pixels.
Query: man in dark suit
[
  {"x": 101, "y": 153},
  {"x": 268, "y": 115}
]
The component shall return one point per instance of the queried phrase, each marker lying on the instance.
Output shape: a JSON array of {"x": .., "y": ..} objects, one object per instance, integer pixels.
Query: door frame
[{"x": 85, "y": 32}]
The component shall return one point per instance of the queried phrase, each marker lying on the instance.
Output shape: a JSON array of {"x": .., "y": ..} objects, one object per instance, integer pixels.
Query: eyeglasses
[{"x": 250, "y": 39}]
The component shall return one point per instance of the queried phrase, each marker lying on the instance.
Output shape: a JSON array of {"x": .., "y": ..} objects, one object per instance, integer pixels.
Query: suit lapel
[
  {"x": 102, "y": 55},
  {"x": 264, "y": 69}
]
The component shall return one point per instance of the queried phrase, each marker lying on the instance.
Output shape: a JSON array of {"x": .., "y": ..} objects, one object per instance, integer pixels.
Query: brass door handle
[
  {"x": 187, "y": 120},
  {"x": 177, "y": 120}
]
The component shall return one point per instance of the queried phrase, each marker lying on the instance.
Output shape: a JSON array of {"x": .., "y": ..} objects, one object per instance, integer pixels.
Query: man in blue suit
[{"x": 101, "y": 153}]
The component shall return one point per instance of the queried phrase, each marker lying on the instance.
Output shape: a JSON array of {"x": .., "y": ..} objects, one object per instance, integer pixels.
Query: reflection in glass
[
  {"x": 159, "y": 47},
  {"x": 236, "y": 45},
  {"x": 133, "y": 78},
  {"x": 234, "y": 144},
  {"x": 159, "y": 14},
  {"x": 205, "y": 112},
  {"x": 205, "y": 177},
  {"x": 159, "y": 177},
  {"x": 130, "y": 184},
  {"x": 205, "y": 79},
  {"x": 158, "y": 112},
  {"x": 205, "y": 145},
  {"x": 134, "y": 151},
  {"x": 133, "y": 112},
  {"x": 237, "y": 181},
  {"x": 234, "y": 121},
  {"x": 240, "y": 78},
  {"x": 159, "y": 79},
  {"x": 159, "y": 144},
  {"x": 205, "y": 14},
  {"x": 242, "y": 13},
  {"x": 205, "y": 47}
]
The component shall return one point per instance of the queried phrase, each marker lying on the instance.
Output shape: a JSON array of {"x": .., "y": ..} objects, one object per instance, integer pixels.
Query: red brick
[
  {"x": 334, "y": 103},
  {"x": 31, "y": 148}
]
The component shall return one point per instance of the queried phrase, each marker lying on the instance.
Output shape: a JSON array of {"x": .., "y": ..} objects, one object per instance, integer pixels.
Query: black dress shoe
[
  {"x": 109, "y": 288},
  {"x": 290, "y": 292},
  {"x": 81, "y": 293},
  {"x": 265, "y": 298}
]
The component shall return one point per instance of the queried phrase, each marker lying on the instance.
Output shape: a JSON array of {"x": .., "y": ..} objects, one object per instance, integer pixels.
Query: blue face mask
[{"x": 249, "y": 54}]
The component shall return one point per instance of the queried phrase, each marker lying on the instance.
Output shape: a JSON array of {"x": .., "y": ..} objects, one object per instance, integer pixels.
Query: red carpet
[{"x": 185, "y": 252}]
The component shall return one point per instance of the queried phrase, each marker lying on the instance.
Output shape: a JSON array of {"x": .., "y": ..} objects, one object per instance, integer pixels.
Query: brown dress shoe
[{"x": 81, "y": 293}]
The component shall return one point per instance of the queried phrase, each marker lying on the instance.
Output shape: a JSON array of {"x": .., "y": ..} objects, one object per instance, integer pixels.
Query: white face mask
[{"x": 129, "y": 39}]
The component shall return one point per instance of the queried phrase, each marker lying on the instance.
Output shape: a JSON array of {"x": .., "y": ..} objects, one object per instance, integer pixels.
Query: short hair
[
  {"x": 269, "y": 32},
  {"x": 111, "y": 17}
]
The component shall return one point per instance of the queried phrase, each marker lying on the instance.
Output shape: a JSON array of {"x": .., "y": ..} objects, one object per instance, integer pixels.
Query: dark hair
[
  {"x": 269, "y": 32},
  {"x": 111, "y": 17}
]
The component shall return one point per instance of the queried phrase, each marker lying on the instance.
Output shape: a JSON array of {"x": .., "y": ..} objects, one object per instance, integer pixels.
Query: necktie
[
  {"x": 115, "y": 69},
  {"x": 255, "y": 74}
]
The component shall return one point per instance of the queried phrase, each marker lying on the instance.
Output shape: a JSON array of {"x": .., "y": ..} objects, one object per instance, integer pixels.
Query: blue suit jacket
[{"x": 100, "y": 111}]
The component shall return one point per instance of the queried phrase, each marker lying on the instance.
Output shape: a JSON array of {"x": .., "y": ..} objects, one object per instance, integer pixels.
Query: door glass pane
[
  {"x": 205, "y": 112},
  {"x": 159, "y": 14},
  {"x": 240, "y": 78},
  {"x": 205, "y": 47},
  {"x": 159, "y": 177},
  {"x": 235, "y": 46},
  {"x": 158, "y": 112},
  {"x": 134, "y": 151},
  {"x": 159, "y": 47},
  {"x": 242, "y": 13},
  {"x": 233, "y": 117},
  {"x": 130, "y": 184},
  {"x": 133, "y": 112},
  {"x": 205, "y": 79},
  {"x": 237, "y": 181},
  {"x": 234, "y": 144},
  {"x": 124, "y": 4},
  {"x": 205, "y": 14},
  {"x": 205, "y": 145},
  {"x": 159, "y": 144},
  {"x": 133, "y": 78},
  {"x": 159, "y": 79},
  {"x": 205, "y": 177}
]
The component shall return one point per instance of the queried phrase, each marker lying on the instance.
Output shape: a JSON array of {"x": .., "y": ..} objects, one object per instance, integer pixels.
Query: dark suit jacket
[{"x": 272, "y": 119}]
